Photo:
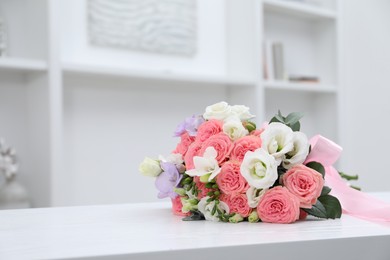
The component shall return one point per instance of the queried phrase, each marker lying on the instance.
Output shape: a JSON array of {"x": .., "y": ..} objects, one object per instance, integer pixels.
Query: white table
[{"x": 150, "y": 231}]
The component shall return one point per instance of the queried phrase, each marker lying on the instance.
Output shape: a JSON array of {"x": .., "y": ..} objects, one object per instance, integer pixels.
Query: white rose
[
  {"x": 277, "y": 140},
  {"x": 218, "y": 111},
  {"x": 242, "y": 112},
  {"x": 259, "y": 169},
  {"x": 206, "y": 165},
  {"x": 207, "y": 207},
  {"x": 150, "y": 167},
  {"x": 254, "y": 196},
  {"x": 299, "y": 152},
  {"x": 233, "y": 128}
]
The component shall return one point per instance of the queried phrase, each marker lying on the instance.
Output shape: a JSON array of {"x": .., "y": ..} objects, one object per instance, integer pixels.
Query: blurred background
[{"x": 88, "y": 88}]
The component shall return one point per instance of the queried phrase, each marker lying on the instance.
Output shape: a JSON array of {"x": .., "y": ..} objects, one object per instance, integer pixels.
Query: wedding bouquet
[{"x": 227, "y": 169}]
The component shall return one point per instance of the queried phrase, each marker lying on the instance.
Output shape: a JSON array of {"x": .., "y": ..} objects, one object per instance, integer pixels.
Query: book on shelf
[
  {"x": 268, "y": 60},
  {"x": 278, "y": 60},
  {"x": 273, "y": 59}
]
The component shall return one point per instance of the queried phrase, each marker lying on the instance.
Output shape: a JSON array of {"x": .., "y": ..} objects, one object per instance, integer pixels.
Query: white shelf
[
  {"x": 307, "y": 87},
  {"x": 21, "y": 64},
  {"x": 301, "y": 10},
  {"x": 82, "y": 69}
]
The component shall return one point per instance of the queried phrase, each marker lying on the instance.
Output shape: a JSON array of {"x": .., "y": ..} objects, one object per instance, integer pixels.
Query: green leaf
[
  {"x": 317, "y": 167},
  {"x": 195, "y": 216},
  {"x": 326, "y": 207},
  {"x": 349, "y": 177},
  {"x": 325, "y": 190},
  {"x": 332, "y": 206},
  {"x": 275, "y": 119},
  {"x": 293, "y": 118},
  {"x": 295, "y": 127},
  {"x": 317, "y": 210}
]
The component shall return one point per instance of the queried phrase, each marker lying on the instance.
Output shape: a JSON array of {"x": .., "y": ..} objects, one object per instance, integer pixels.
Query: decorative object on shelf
[
  {"x": 12, "y": 194},
  {"x": 161, "y": 26},
  {"x": 274, "y": 68},
  {"x": 3, "y": 37},
  {"x": 301, "y": 78},
  {"x": 226, "y": 169}
]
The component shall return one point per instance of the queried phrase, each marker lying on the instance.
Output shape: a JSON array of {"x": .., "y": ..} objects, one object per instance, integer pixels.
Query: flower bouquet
[{"x": 227, "y": 169}]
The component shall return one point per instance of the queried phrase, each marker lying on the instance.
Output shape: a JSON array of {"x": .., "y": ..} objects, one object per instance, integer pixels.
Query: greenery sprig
[{"x": 291, "y": 120}]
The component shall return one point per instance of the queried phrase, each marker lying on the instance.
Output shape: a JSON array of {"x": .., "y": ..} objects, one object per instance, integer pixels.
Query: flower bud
[
  {"x": 205, "y": 178},
  {"x": 253, "y": 217},
  {"x": 189, "y": 204},
  {"x": 236, "y": 218},
  {"x": 180, "y": 191},
  {"x": 150, "y": 167},
  {"x": 250, "y": 126}
]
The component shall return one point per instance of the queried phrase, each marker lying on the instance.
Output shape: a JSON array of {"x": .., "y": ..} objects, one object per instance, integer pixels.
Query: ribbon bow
[{"x": 353, "y": 202}]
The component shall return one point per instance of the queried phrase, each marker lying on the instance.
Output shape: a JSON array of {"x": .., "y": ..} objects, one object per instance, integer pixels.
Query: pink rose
[
  {"x": 208, "y": 128},
  {"x": 186, "y": 141},
  {"x": 193, "y": 150},
  {"x": 221, "y": 143},
  {"x": 243, "y": 145},
  {"x": 202, "y": 190},
  {"x": 230, "y": 180},
  {"x": 305, "y": 183},
  {"x": 238, "y": 203},
  {"x": 177, "y": 206},
  {"x": 278, "y": 205}
]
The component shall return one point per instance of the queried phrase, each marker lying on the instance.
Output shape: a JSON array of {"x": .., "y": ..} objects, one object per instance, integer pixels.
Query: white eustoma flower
[
  {"x": 254, "y": 196},
  {"x": 299, "y": 152},
  {"x": 218, "y": 111},
  {"x": 259, "y": 169},
  {"x": 150, "y": 167},
  {"x": 233, "y": 127},
  {"x": 207, "y": 208},
  {"x": 242, "y": 112},
  {"x": 206, "y": 164},
  {"x": 277, "y": 140}
]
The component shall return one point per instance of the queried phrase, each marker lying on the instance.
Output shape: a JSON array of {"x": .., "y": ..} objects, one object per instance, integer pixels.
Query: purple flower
[
  {"x": 168, "y": 180},
  {"x": 190, "y": 124}
]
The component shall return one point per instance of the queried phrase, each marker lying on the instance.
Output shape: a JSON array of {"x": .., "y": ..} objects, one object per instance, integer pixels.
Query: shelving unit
[
  {"x": 70, "y": 69},
  {"x": 310, "y": 37},
  {"x": 299, "y": 9},
  {"x": 87, "y": 116},
  {"x": 305, "y": 87},
  {"x": 26, "y": 65}
]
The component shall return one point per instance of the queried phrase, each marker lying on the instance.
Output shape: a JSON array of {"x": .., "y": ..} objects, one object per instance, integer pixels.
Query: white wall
[
  {"x": 111, "y": 124},
  {"x": 367, "y": 92},
  {"x": 210, "y": 57}
]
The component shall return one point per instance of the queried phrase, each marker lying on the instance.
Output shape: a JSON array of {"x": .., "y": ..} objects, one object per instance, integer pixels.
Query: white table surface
[{"x": 150, "y": 231}]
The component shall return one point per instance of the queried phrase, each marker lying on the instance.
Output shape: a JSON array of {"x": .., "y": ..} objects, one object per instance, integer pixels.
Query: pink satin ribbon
[{"x": 353, "y": 202}]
